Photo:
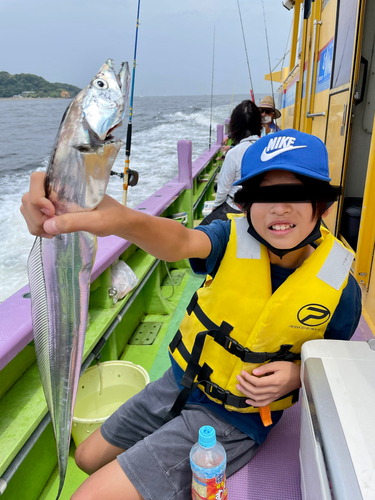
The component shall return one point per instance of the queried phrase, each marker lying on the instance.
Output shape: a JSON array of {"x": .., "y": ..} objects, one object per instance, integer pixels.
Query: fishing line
[
  {"x": 268, "y": 50},
  {"x": 171, "y": 278},
  {"x": 286, "y": 52},
  {"x": 247, "y": 57},
  {"x": 234, "y": 86},
  {"x": 212, "y": 89},
  {"x": 129, "y": 131}
]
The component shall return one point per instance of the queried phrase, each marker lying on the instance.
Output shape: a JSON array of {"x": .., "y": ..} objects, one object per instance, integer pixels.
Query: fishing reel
[{"x": 133, "y": 176}]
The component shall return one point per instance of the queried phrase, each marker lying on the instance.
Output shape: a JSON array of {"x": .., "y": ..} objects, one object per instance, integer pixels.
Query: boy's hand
[
  {"x": 36, "y": 208},
  {"x": 283, "y": 378},
  {"x": 39, "y": 214}
]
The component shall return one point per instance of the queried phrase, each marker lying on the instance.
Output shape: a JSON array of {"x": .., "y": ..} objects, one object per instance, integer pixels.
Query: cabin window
[{"x": 345, "y": 42}]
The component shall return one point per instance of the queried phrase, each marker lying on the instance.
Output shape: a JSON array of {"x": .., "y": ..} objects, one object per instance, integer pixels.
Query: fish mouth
[{"x": 109, "y": 136}]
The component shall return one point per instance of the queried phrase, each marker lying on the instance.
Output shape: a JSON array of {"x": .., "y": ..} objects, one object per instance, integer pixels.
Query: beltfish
[{"x": 59, "y": 269}]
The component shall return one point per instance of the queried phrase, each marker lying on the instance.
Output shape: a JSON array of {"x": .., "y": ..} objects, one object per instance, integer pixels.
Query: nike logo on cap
[{"x": 278, "y": 146}]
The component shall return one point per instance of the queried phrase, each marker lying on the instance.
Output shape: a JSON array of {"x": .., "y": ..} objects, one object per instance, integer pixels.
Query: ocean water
[{"x": 27, "y": 133}]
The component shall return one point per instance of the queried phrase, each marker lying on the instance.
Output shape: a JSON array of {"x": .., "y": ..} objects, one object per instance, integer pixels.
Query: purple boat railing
[{"x": 15, "y": 312}]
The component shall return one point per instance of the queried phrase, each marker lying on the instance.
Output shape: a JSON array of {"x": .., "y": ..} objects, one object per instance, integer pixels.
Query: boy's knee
[
  {"x": 78, "y": 496},
  {"x": 83, "y": 493},
  {"x": 95, "y": 452},
  {"x": 83, "y": 460}
]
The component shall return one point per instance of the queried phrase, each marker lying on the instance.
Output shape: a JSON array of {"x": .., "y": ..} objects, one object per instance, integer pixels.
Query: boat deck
[{"x": 274, "y": 472}]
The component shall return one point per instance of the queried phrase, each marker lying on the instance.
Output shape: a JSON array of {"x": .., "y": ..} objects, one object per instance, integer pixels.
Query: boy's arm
[{"x": 164, "y": 238}]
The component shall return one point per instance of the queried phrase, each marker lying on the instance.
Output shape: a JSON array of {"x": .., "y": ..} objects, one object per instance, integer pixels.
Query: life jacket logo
[
  {"x": 313, "y": 315},
  {"x": 277, "y": 146}
]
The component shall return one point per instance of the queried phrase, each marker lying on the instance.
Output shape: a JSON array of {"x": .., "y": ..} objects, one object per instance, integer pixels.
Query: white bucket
[{"x": 101, "y": 390}]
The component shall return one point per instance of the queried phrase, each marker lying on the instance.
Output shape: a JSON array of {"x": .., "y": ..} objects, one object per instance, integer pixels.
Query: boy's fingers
[
  {"x": 70, "y": 223},
  {"x": 37, "y": 194},
  {"x": 268, "y": 368},
  {"x": 252, "y": 381},
  {"x": 50, "y": 226},
  {"x": 62, "y": 224}
]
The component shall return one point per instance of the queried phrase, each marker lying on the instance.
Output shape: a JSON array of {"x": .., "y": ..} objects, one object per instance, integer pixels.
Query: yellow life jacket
[{"x": 236, "y": 323}]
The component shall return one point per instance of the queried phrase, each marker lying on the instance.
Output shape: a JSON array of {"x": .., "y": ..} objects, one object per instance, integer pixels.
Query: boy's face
[{"x": 283, "y": 224}]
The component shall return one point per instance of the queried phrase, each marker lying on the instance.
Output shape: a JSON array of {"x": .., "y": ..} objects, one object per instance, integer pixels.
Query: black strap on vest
[
  {"x": 231, "y": 345},
  {"x": 221, "y": 335}
]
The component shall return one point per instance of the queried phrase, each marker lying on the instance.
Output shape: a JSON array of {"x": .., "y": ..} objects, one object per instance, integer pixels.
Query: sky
[{"x": 68, "y": 41}]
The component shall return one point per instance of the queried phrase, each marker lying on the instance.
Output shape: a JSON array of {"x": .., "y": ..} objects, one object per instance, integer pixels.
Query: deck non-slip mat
[{"x": 274, "y": 472}]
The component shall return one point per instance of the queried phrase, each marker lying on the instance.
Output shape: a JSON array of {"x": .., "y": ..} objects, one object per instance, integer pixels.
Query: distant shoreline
[{"x": 33, "y": 98}]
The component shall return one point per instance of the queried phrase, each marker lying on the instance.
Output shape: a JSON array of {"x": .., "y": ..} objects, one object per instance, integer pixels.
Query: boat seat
[{"x": 274, "y": 472}]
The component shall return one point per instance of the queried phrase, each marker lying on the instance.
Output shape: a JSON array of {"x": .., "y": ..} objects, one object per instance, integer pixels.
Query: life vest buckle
[
  {"x": 225, "y": 396},
  {"x": 231, "y": 345}
]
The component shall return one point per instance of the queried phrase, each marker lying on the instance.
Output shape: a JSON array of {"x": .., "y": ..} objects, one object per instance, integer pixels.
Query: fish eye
[{"x": 100, "y": 84}]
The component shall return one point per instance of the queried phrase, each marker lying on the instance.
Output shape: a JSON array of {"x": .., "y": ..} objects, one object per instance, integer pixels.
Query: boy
[{"x": 278, "y": 280}]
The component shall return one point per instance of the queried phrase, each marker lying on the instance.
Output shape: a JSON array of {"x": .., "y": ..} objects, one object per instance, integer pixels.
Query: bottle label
[{"x": 209, "y": 484}]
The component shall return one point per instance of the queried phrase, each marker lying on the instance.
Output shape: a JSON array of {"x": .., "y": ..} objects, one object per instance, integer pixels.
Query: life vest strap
[
  {"x": 233, "y": 347},
  {"x": 226, "y": 397},
  {"x": 216, "y": 392},
  {"x": 203, "y": 318},
  {"x": 181, "y": 400},
  {"x": 229, "y": 399}
]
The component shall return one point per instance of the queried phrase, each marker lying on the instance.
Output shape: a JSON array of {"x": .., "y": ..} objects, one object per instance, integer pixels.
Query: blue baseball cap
[{"x": 289, "y": 150}]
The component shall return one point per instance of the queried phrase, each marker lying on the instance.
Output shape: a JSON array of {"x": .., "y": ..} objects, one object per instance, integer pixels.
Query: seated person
[
  {"x": 244, "y": 130},
  {"x": 237, "y": 328},
  {"x": 269, "y": 114}
]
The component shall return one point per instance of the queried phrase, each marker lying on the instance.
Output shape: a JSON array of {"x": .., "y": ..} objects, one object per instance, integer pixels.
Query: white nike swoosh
[{"x": 268, "y": 156}]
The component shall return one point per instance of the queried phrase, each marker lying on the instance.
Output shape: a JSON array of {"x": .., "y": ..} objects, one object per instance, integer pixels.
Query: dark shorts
[{"x": 156, "y": 459}]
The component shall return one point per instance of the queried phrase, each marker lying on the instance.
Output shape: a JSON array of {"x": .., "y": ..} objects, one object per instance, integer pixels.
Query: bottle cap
[{"x": 207, "y": 436}]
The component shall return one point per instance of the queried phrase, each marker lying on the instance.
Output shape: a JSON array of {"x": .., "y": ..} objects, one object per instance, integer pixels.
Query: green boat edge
[{"x": 22, "y": 402}]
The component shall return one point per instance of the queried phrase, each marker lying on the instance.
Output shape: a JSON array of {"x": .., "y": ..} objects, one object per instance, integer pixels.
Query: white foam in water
[{"x": 153, "y": 155}]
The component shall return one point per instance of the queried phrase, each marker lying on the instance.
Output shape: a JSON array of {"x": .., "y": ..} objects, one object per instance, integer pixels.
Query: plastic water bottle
[{"x": 208, "y": 461}]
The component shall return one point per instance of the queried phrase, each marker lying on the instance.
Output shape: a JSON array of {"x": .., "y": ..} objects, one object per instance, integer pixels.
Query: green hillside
[{"x": 31, "y": 86}]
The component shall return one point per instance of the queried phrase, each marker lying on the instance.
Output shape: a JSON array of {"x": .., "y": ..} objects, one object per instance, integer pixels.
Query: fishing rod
[
  {"x": 247, "y": 57},
  {"x": 268, "y": 50},
  {"x": 134, "y": 175},
  {"x": 212, "y": 90}
]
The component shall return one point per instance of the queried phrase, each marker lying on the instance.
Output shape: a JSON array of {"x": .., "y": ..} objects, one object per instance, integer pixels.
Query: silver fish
[{"x": 59, "y": 269}]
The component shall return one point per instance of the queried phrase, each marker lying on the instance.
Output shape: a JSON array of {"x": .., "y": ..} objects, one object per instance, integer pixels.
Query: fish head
[
  {"x": 85, "y": 149},
  {"x": 103, "y": 106}
]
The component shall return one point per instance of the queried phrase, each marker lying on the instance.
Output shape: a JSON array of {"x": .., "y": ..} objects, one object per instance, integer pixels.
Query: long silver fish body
[{"x": 59, "y": 269}]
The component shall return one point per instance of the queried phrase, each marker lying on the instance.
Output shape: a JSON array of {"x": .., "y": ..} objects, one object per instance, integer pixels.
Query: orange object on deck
[{"x": 265, "y": 415}]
